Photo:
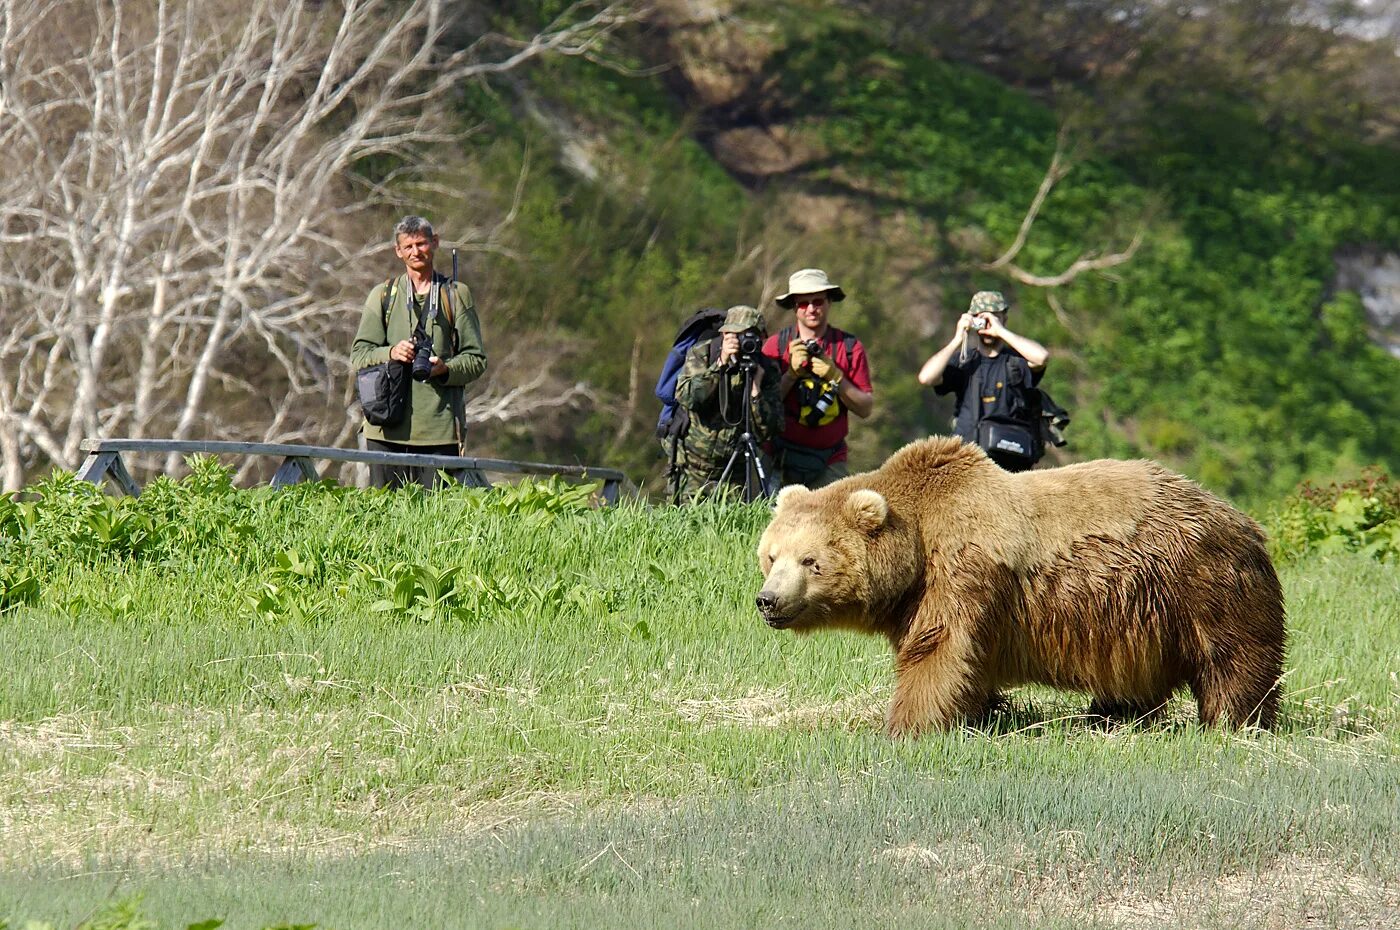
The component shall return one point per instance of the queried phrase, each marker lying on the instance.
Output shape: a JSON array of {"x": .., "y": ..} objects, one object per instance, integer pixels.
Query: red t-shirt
[{"x": 853, "y": 365}]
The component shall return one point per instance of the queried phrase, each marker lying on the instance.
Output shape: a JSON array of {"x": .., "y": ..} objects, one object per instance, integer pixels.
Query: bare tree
[
  {"x": 1060, "y": 164},
  {"x": 183, "y": 198}
]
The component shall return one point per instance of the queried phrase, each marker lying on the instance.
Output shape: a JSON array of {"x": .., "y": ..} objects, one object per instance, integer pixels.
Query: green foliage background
[{"x": 1221, "y": 348}]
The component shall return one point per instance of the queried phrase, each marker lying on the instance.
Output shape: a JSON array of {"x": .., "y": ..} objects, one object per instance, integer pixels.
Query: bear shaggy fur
[{"x": 1114, "y": 578}]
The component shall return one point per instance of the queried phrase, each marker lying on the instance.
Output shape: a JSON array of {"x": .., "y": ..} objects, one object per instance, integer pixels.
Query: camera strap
[
  {"x": 426, "y": 310},
  {"x": 437, "y": 302},
  {"x": 965, "y": 352},
  {"x": 385, "y": 299}
]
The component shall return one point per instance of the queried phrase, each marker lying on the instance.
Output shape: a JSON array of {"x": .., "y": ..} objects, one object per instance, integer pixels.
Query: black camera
[
  {"x": 750, "y": 343},
  {"x": 422, "y": 357},
  {"x": 814, "y": 348}
]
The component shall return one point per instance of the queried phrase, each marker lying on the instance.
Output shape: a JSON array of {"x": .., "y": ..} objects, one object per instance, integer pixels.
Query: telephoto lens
[{"x": 422, "y": 359}]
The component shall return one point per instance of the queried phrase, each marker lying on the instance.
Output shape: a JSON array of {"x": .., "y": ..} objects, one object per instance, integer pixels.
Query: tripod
[{"x": 745, "y": 454}]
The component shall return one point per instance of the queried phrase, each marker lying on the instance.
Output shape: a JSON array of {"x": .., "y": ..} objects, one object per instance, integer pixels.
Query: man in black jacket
[{"x": 993, "y": 381}]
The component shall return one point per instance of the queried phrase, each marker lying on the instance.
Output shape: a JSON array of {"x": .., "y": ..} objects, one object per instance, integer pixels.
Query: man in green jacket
[{"x": 434, "y": 423}]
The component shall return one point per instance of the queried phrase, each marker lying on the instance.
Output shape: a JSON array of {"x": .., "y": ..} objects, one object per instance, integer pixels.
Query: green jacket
[
  {"x": 713, "y": 432},
  {"x": 435, "y": 406}
]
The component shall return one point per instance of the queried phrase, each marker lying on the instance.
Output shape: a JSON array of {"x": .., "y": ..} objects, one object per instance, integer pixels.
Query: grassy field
[{"x": 356, "y": 710}]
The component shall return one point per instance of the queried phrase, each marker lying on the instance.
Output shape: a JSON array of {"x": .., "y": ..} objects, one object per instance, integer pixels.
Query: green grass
[{"x": 624, "y": 744}]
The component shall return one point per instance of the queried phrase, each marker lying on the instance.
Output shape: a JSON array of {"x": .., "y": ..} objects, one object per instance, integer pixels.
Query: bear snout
[{"x": 767, "y": 603}]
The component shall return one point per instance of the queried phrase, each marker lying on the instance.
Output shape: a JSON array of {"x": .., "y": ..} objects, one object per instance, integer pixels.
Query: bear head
[{"x": 834, "y": 557}]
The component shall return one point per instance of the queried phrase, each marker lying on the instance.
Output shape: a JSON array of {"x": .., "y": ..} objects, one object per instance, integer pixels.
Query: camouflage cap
[
  {"x": 987, "y": 302},
  {"x": 738, "y": 319}
]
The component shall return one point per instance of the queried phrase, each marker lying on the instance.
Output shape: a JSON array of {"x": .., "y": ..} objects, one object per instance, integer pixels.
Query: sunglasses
[{"x": 810, "y": 301}]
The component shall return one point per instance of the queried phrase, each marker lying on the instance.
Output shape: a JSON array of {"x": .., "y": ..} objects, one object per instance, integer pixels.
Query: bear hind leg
[
  {"x": 1243, "y": 694},
  {"x": 1239, "y": 662}
]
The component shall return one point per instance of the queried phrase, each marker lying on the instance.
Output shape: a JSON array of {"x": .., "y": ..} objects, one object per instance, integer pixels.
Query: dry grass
[
  {"x": 782, "y": 710},
  {"x": 1295, "y": 892},
  {"x": 72, "y": 789}
]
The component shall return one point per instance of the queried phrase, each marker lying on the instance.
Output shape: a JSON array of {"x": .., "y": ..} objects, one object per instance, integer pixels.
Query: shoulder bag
[{"x": 383, "y": 389}]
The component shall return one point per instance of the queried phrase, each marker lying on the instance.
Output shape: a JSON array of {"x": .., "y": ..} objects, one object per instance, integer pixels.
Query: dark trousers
[{"x": 396, "y": 476}]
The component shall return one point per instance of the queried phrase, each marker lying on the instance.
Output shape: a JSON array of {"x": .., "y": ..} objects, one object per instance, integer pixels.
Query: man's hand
[
  {"x": 992, "y": 327},
  {"x": 964, "y": 324},
  {"x": 439, "y": 367},
  {"x": 402, "y": 351},
  {"x": 797, "y": 355},
  {"x": 728, "y": 348},
  {"x": 825, "y": 369}
]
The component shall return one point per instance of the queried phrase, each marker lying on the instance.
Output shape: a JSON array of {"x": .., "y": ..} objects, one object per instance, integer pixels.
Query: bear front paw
[{"x": 900, "y": 724}]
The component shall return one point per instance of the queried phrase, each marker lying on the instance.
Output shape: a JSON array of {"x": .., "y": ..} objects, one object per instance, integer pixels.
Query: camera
[
  {"x": 750, "y": 343},
  {"x": 750, "y": 347},
  {"x": 814, "y": 348},
  {"x": 979, "y": 323},
  {"x": 422, "y": 357}
]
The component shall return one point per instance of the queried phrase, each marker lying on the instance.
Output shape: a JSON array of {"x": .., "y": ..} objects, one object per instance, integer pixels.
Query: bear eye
[{"x": 811, "y": 563}]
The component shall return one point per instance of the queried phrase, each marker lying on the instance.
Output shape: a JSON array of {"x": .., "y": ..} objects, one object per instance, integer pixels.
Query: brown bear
[{"x": 1115, "y": 578}]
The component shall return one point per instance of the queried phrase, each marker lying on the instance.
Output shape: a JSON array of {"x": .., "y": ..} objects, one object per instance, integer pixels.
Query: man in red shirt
[{"x": 825, "y": 376}]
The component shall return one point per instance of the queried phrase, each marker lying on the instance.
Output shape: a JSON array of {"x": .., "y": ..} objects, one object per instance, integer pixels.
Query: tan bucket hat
[{"x": 809, "y": 281}]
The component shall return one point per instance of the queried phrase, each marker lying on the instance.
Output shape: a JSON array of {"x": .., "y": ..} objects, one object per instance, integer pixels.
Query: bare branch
[
  {"x": 180, "y": 197},
  {"x": 1053, "y": 175},
  {"x": 1087, "y": 262},
  {"x": 629, "y": 410},
  {"x": 524, "y": 401},
  {"x": 1059, "y": 167}
]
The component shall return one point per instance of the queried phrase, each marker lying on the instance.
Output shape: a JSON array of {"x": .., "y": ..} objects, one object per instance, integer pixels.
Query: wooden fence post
[
  {"x": 294, "y": 470},
  {"x": 100, "y": 465}
]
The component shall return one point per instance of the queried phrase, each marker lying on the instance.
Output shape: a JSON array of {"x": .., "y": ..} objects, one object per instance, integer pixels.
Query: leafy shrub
[
  {"x": 72, "y": 522},
  {"x": 1230, "y": 295},
  {"x": 1361, "y": 515},
  {"x": 17, "y": 587},
  {"x": 292, "y": 554},
  {"x": 544, "y": 500}
]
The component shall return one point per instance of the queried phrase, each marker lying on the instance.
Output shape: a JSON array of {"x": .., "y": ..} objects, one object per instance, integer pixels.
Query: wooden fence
[{"x": 104, "y": 462}]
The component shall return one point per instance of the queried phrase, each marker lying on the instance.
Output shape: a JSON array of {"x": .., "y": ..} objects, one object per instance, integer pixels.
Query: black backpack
[
  {"x": 1022, "y": 423},
  {"x": 701, "y": 326},
  {"x": 1053, "y": 419}
]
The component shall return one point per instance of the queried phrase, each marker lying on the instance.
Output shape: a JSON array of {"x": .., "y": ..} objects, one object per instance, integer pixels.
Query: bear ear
[
  {"x": 791, "y": 494},
  {"x": 867, "y": 509}
]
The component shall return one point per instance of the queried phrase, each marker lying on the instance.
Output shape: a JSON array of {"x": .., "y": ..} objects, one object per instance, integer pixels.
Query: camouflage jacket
[{"x": 714, "y": 427}]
